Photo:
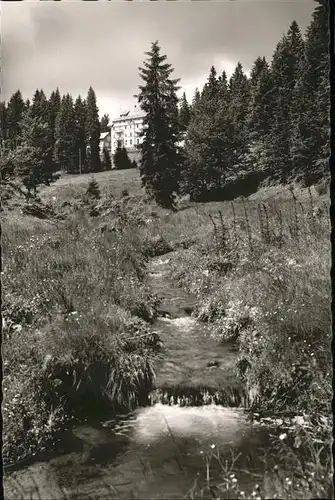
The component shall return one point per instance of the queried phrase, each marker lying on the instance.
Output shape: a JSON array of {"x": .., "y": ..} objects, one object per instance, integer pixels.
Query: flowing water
[{"x": 157, "y": 452}]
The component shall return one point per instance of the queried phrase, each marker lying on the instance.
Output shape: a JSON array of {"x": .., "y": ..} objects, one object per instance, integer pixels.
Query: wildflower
[
  {"x": 212, "y": 446},
  {"x": 283, "y": 436}
]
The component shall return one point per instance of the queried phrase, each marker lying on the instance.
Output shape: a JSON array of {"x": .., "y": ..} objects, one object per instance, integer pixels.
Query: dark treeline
[
  {"x": 273, "y": 124},
  {"x": 40, "y": 137}
]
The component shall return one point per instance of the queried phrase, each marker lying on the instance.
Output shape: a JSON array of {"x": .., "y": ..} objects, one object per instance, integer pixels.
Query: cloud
[{"x": 75, "y": 44}]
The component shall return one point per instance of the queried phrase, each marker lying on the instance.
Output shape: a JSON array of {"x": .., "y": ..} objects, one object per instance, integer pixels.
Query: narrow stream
[{"x": 157, "y": 452}]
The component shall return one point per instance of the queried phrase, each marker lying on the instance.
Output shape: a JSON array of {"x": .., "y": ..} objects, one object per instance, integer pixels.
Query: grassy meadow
[{"x": 77, "y": 313}]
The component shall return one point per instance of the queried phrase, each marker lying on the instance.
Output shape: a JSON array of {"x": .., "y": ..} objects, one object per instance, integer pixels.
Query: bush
[{"x": 93, "y": 190}]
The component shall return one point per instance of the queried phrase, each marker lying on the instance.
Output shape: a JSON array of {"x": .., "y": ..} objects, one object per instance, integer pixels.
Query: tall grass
[
  {"x": 263, "y": 279},
  {"x": 75, "y": 331}
]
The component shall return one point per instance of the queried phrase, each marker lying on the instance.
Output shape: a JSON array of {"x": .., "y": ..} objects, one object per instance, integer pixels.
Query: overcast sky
[{"x": 74, "y": 44}]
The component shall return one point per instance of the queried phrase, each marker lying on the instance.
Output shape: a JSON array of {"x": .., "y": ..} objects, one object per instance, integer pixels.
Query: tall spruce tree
[
  {"x": 39, "y": 105},
  {"x": 65, "y": 153},
  {"x": 256, "y": 71},
  {"x": 160, "y": 159},
  {"x": 286, "y": 67},
  {"x": 196, "y": 99},
  {"x": 261, "y": 121},
  {"x": 210, "y": 92},
  {"x": 15, "y": 109},
  {"x": 53, "y": 110},
  {"x": 239, "y": 104},
  {"x": 184, "y": 113},
  {"x": 3, "y": 124},
  {"x": 80, "y": 132},
  {"x": 311, "y": 146},
  {"x": 92, "y": 133}
]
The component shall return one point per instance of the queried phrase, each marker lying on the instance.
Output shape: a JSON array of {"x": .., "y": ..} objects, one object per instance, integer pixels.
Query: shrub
[{"x": 93, "y": 190}]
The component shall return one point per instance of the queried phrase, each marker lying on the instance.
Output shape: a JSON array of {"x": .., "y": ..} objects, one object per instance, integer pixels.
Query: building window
[
  {"x": 131, "y": 142},
  {"x": 125, "y": 142}
]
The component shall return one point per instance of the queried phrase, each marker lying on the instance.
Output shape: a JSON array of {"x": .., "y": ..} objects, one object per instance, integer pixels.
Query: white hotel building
[{"x": 125, "y": 131}]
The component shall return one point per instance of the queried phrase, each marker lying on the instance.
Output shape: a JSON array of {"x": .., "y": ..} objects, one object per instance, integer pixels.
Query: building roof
[
  {"x": 134, "y": 112},
  {"x": 103, "y": 135}
]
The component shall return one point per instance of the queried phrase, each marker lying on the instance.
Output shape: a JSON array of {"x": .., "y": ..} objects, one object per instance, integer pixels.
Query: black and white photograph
[{"x": 166, "y": 250}]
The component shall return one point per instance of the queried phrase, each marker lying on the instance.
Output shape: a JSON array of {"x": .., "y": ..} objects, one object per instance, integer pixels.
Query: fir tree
[
  {"x": 239, "y": 95},
  {"x": 209, "y": 144},
  {"x": 65, "y": 153},
  {"x": 3, "y": 124},
  {"x": 50, "y": 114},
  {"x": 39, "y": 106},
  {"x": 260, "y": 122},
  {"x": 310, "y": 149},
  {"x": 80, "y": 132},
  {"x": 106, "y": 159},
  {"x": 104, "y": 123},
  {"x": 184, "y": 113},
  {"x": 28, "y": 162},
  {"x": 93, "y": 190},
  {"x": 160, "y": 160},
  {"x": 239, "y": 105},
  {"x": 223, "y": 87},
  {"x": 196, "y": 99},
  {"x": 121, "y": 159},
  {"x": 24, "y": 164},
  {"x": 15, "y": 109},
  {"x": 287, "y": 59},
  {"x": 92, "y": 132},
  {"x": 256, "y": 71},
  {"x": 286, "y": 67},
  {"x": 53, "y": 110}
]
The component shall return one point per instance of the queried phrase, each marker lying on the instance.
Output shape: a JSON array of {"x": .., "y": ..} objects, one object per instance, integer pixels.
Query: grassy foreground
[
  {"x": 74, "y": 293},
  {"x": 76, "y": 319}
]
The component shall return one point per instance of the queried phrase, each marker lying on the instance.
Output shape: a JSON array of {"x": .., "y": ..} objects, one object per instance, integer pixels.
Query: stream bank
[{"x": 157, "y": 451}]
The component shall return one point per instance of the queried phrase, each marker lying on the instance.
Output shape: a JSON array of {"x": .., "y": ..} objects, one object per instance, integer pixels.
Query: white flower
[
  {"x": 212, "y": 446},
  {"x": 283, "y": 436}
]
